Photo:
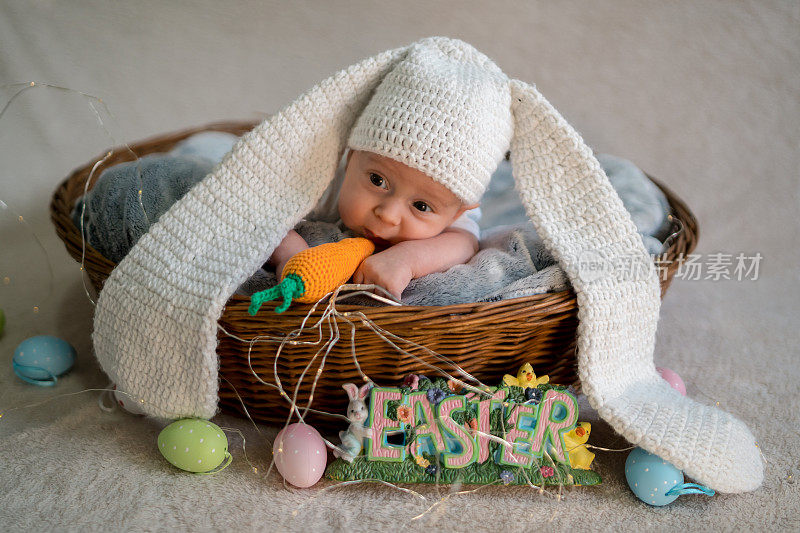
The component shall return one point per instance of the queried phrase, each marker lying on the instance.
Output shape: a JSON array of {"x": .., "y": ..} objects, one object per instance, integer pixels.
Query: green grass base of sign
[{"x": 408, "y": 471}]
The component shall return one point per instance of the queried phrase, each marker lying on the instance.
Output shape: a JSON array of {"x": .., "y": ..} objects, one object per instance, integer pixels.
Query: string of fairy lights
[{"x": 327, "y": 326}]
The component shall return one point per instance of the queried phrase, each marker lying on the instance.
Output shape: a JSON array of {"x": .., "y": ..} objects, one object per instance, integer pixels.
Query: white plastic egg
[{"x": 128, "y": 402}]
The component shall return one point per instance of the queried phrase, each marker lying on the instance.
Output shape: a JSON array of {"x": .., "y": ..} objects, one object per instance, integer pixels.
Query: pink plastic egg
[
  {"x": 300, "y": 455},
  {"x": 674, "y": 380}
]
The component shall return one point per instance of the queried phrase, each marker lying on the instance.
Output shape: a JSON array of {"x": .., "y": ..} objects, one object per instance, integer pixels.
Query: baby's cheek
[
  {"x": 350, "y": 211},
  {"x": 346, "y": 217},
  {"x": 422, "y": 229}
]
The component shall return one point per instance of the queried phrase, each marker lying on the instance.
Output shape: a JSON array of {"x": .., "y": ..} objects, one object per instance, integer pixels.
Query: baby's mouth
[{"x": 379, "y": 242}]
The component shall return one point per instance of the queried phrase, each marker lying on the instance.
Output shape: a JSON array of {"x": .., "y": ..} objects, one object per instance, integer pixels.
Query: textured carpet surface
[{"x": 701, "y": 95}]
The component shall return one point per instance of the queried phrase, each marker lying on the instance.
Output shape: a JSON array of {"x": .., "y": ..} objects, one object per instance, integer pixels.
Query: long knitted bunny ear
[
  {"x": 155, "y": 327},
  {"x": 583, "y": 222}
]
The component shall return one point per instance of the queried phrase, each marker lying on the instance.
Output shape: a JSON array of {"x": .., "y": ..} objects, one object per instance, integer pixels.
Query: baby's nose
[{"x": 388, "y": 212}]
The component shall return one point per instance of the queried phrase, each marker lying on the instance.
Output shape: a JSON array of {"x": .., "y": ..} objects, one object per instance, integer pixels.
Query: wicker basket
[{"x": 485, "y": 339}]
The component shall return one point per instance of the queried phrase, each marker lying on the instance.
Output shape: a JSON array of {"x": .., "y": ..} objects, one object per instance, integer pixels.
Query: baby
[{"x": 411, "y": 218}]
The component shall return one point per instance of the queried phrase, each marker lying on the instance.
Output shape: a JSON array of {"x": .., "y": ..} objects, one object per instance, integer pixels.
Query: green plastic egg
[
  {"x": 2, "y": 321},
  {"x": 194, "y": 444}
]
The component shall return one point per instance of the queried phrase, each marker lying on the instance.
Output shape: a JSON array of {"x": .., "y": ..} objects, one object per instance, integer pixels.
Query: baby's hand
[
  {"x": 292, "y": 244},
  {"x": 389, "y": 269}
]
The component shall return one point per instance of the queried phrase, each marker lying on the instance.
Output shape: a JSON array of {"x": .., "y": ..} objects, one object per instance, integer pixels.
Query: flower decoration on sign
[
  {"x": 547, "y": 471},
  {"x": 405, "y": 414},
  {"x": 454, "y": 386},
  {"x": 411, "y": 381},
  {"x": 533, "y": 395},
  {"x": 506, "y": 476},
  {"x": 436, "y": 395}
]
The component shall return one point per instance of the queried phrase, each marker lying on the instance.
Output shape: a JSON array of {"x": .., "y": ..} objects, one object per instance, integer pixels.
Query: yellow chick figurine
[
  {"x": 579, "y": 456},
  {"x": 525, "y": 378}
]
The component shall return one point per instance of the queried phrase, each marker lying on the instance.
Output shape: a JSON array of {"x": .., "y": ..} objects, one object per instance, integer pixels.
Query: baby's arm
[
  {"x": 290, "y": 245},
  {"x": 394, "y": 268}
]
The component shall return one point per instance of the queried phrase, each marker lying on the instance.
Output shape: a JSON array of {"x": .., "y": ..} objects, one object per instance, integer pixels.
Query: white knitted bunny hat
[
  {"x": 444, "y": 110},
  {"x": 156, "y": 317}
]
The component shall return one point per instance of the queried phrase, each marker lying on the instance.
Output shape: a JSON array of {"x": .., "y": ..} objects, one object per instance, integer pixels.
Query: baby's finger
[
  {"x": 391, "y": 289},
  {"x": 357, "y": 278},
  {"x": 396, "y": 294}
]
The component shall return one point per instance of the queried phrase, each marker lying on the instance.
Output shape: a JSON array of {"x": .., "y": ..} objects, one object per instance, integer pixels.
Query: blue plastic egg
[
  {"x": 650, "y": 477},
  {"x": 40, "y": 360},
  {"x": 657, "y": 482}
]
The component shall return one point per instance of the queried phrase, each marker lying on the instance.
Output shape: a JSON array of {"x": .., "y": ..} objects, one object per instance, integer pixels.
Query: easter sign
[{"x": 432, "y": 431}]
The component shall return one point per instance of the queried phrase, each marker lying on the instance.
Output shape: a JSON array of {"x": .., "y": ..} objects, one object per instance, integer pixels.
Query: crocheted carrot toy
[{"x": 311, "y": 274}]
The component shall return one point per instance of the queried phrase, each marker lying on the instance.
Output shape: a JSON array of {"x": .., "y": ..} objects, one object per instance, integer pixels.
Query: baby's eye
[
  {"x": 422, "y": 206},
  {"x": 377, "y": 180}
]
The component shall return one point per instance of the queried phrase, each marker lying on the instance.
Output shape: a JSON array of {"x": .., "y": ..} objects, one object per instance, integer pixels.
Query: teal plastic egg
[
  {"x": 40, "y": 360},
  {"x": 650, "y": 477},
  {"x": 194, "y": 445}
]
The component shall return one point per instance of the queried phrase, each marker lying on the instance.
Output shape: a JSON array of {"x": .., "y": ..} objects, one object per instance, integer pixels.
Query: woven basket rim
[{"x": 62, "y": 204}]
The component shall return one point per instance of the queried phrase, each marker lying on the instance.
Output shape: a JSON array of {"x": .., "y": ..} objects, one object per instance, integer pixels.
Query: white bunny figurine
[{"x": 357, "y": 413}]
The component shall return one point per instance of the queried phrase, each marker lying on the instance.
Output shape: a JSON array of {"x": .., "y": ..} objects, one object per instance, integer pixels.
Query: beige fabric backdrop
[{"x": 703, "y": 95}]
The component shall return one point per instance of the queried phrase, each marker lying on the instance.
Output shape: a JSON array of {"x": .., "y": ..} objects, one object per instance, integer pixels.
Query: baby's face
[{"x": 389, "y": 202}]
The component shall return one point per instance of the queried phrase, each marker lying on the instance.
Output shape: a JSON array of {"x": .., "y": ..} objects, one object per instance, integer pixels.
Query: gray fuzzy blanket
[{"x": 512, "y": 260}]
